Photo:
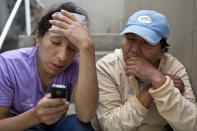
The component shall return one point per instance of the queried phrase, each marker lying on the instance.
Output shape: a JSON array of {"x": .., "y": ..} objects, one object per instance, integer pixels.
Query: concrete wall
[
  {"x": 105, "y": 15},
  {"x": 194, "y": 49}
]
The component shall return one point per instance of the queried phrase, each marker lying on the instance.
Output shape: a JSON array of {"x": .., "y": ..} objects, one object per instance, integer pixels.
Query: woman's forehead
[
  {"x": 133, "y": 35},
  {"x": 60, "y": 38}
]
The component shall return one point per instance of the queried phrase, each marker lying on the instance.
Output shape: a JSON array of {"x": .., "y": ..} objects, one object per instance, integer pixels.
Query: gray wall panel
[{"x": 194, "y": 56}]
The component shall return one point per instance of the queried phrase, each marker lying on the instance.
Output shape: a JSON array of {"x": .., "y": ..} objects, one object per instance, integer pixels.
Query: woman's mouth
[{"x": 57, "y": 67}]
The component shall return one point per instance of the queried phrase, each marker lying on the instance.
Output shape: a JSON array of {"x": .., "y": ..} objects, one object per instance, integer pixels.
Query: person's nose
[
  {"x": 135, "y": 49},
  {"x": 62, "y": 53}
]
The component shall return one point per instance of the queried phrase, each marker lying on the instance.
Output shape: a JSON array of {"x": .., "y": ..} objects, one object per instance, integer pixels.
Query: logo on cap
[{"x": 145, "y": 19}]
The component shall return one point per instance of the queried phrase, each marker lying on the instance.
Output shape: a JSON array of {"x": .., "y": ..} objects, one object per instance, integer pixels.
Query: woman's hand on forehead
[{"x": 72, "y": 29}]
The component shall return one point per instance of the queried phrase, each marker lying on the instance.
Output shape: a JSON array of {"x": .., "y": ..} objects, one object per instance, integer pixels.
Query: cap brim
[{"x": 149, "y": 35}]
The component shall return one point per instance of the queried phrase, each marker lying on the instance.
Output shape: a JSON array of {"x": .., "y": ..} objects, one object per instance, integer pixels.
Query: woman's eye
[
  {"x": 131, "y": 39},
  {"x": 146, "y": 44},
  {"x": 56, "y": 43}
]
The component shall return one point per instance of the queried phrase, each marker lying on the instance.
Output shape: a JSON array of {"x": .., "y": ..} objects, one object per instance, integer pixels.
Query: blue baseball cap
[{"x": 148, "y": 24}]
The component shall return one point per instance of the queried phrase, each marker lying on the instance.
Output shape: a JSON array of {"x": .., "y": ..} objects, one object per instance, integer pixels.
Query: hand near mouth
[{"x": 145, "y": 71}]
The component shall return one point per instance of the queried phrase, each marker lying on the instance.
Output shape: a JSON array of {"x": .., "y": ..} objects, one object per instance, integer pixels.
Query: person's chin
[
  {"x": 54, "y": 72},
  {"x": 56, "y": 69}
]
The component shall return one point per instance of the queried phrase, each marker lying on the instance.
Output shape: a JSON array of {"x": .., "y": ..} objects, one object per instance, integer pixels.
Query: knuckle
[
  {"x": 39, "y": 112},
  {"x": 39, "y": 103}
]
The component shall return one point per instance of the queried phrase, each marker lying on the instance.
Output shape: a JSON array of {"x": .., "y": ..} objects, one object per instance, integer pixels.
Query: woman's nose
[
  {"x": 62, "y": 53},
  {"x": 135, "y": 49}
]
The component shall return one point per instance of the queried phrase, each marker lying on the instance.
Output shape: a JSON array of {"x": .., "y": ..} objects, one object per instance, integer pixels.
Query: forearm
[
  {"x": 86, "y": 97},
  {"x": 180, "y": 113},
  {"x": 125, "y": 116},
  {"x": 20, "y": 122}
]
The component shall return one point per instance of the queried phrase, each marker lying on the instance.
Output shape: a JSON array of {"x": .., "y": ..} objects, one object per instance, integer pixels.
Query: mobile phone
[
  {"x": 58, "y": 91},
  {"x": 80, "y": 18}
]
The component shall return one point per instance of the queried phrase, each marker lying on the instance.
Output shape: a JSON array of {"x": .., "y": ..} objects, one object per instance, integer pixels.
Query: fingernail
[
  {"x": 54, "y": 14},
  {"x": 67, "y": 102}
]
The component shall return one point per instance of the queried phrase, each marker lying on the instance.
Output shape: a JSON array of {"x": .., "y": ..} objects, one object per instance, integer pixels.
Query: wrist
[
  {"x": 158, "y": 81},
  {"x": 145, "y": 98},
  {"x": 35, "y": 119},
  {"x": 87, "y": 48},
  {"x": 84, "y": 45}
]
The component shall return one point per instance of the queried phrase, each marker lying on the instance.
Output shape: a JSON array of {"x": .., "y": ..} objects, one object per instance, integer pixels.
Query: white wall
[{"x": 105, "y": 15}]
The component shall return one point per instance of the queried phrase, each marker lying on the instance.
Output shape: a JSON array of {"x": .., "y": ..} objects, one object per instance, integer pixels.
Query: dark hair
[
  {"x": 44, "y": 24},
  {"x": 164, "y": 44}
]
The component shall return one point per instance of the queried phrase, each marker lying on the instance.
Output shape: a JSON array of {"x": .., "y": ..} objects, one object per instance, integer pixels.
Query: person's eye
[
  {"x": 56, "y": 43},
  {"x": 130, "y": 39},
  {"x": 146, "y": 45}
]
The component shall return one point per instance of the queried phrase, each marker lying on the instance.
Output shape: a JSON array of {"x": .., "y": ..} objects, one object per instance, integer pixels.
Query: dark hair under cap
[
  {"x": 164, "y": 44},
  {"x": 44, "y": 24}
]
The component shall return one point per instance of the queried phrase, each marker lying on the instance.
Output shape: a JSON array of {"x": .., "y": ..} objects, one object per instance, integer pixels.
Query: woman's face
[
  {"x": 55, "y": 54},
  {"x": 135, "y": 46}
]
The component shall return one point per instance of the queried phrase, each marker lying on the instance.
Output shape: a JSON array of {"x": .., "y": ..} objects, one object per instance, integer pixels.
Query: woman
[
  {"x": 141, "y": 87},
  {"x": 26, "y": 76}
]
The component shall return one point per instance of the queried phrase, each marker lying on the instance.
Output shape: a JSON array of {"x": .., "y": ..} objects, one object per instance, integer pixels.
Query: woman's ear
[
  {"x": 162, "y": 51},
  {"x": 37, "y": 39}
]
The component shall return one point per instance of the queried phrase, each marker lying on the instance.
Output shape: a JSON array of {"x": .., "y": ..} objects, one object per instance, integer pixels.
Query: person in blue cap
[
  {"x": 141, "y": 86},
  {"x": 27, "y": 76}
]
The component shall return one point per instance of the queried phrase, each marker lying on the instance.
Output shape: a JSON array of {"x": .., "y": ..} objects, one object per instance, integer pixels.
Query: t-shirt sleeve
[{"x": 6, "y": 90}]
